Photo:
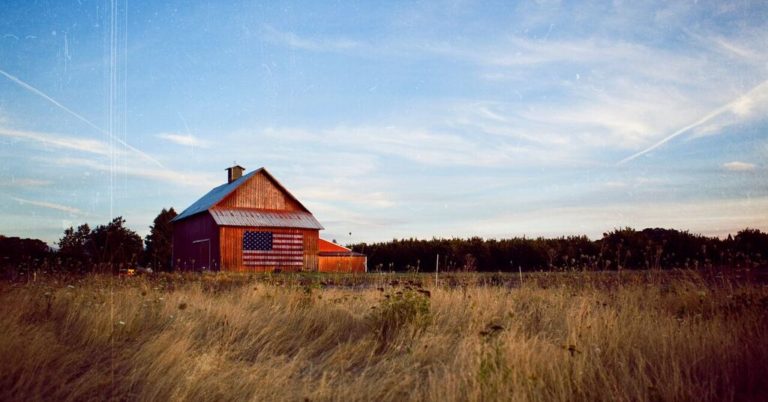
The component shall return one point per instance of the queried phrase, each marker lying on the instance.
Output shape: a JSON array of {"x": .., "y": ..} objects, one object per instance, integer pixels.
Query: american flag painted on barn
[{"x": 273, "y": 249}]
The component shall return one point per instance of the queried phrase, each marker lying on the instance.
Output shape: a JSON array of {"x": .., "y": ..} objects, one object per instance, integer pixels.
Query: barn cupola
[{"x": 234, "y": 173}]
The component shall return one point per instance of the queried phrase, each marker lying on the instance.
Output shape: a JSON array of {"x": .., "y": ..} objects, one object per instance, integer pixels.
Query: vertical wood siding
[
  {"x": 347, "y": 263},
  {"x": 187, "y": 246},
  {"x": 232, "y": 248},
  {"x": 260, "y": 192}
]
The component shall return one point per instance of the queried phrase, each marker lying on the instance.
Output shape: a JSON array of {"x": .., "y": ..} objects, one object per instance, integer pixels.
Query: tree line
[
  {"x": 113, "y": 246},
  {"x": 625, "y": 248},
  {"x": 105, "y": 248}
]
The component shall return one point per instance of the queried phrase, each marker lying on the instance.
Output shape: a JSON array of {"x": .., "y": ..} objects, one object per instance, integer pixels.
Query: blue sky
[{"x": 390, "y": 119}]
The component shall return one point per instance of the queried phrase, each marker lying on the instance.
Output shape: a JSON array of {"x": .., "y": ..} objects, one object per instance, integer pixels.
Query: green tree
[
  {"x": 74, "y": 248},
  {"x": 17, "y": 254},
  {"x": 752, "y": 241},
  {"x": 113, "y": 245},
  {"x": 159, "y": 241},
  {"x": 752, "y": 244}
]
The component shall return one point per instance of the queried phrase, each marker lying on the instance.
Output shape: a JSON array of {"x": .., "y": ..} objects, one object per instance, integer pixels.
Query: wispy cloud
[
  {"x": 188, "y": 140},
  {"x": 737, "y": 166},
  {"x": 710, "y": 217},
  {"x": 604, "y": 91},
  {"x": 130, "y": 167},
  {"x": 520, "y": 51},
  {"x": 614, "y": 97},
  {"x": 417, "y": 144},
  {"x": 633, "y": 183},
  {"x": 741, "y": 107},
  {"x": 377, "y": 199},
  {"x": 748, "y": 46},
  {"x": 24, "y": 182},
  {"x": 193, "y": 179},
  {"x": 59, "y": 141},
  {"x": 43, "y": 95},
  {"x": 293, "y": 40},
  {"x": 750, "y": 107},
  {"x": 49, "y": 205}
]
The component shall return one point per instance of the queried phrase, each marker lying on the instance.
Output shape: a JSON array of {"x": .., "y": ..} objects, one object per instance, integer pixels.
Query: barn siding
[
  {"x": 259, "y": 192},
  {"x": 232, "y": 248},
  {"x": 187, "y": 245},
  {"x": 346, "y": 263}
]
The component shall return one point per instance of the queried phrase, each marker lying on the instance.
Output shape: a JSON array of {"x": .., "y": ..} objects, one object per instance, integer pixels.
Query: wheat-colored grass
[{"x": 223, "y": 337}]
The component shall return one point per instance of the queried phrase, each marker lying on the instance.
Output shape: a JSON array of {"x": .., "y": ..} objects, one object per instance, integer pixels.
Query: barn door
[{"x": 202, "y": 254}]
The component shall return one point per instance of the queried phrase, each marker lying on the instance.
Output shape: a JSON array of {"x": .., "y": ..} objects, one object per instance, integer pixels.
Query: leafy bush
[{"x": 405, "y": 308}]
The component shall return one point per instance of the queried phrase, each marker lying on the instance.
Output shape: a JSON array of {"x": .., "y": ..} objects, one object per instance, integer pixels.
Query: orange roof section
[{"x": 325, "y": 245}]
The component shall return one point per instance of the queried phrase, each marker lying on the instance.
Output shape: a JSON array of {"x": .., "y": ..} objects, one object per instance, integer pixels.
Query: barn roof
[
  {"x": 329, "y": 249},
  {"x": 210, "y": 200},
  {"x": 325, "y": 245},
  {"x": 246, "y": 217}
]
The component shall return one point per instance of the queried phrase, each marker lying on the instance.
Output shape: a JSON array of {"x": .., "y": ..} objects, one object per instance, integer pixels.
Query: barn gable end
[{"x": 261, "y": 191}]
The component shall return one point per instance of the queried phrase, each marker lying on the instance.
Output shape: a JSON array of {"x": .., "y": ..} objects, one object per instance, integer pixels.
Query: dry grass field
[{"x": 476, "y": 337}]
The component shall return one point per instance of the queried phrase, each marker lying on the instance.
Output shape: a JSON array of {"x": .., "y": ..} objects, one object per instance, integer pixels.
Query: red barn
[{"x": 251, "y": 223}]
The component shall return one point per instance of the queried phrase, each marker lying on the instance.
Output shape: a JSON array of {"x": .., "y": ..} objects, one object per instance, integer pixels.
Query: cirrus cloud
[
  {"x": 187, "y": 140},
  {"x": 737, "y": 166}
]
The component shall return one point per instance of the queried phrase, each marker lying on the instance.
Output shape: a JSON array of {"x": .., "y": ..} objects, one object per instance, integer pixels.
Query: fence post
[{"x": 437, "y": 265}]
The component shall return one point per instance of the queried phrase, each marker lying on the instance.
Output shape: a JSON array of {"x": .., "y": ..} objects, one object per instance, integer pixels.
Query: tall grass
[{"x": 223, "y": 337}]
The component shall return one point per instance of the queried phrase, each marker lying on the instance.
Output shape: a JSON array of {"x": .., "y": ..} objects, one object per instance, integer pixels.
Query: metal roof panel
[{"x": 254, "y": 217}]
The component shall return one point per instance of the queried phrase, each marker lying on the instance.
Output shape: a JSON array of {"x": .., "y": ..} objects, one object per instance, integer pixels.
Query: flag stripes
[{"x": 273, "y": 249}]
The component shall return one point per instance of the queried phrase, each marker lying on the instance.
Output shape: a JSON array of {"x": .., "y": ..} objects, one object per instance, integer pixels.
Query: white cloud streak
[
  {"x": 293, "y": 40},
  {"x": 59, "y": 141},
  {"x": 40, "y": 93},
  {"x": 49, "y": 205},
  {"x": 22, "y": 182},
  {"x": 198, "y": 180},
  {"x": 415, "y": 144},
  {"x": 615, "y": 94},
  {"x": 187, "y": 140},
  {"x": 737, "y": 166},
  {"x": 739, "y": 107},
  {"x": 376, "y": 199},
  {"x": 132, "y": 168}
]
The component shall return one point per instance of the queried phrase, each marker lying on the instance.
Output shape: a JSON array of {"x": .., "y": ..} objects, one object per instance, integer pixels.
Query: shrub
[{"x": 405, "y": 308}]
